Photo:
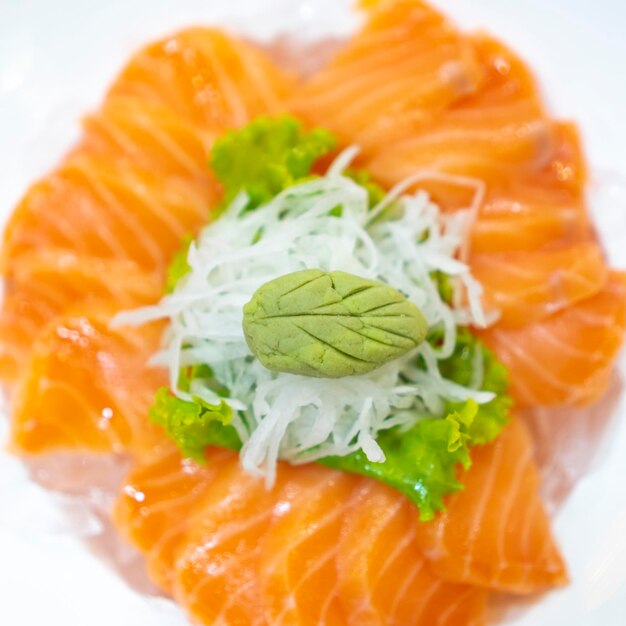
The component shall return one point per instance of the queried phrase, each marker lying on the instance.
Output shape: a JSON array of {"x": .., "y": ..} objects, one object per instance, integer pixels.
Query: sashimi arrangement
[{"x": 313, "y": 314}]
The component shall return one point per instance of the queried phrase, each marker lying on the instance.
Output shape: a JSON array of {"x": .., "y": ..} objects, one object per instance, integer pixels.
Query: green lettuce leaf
[
  {"x": 444, "y": 286},
  {"x": 421, "y": 462},
  {"x": 266, "y": 156},
  {"x": 194, "y": 425},
  {"x": 492, "y": 416},
  {"x": 202, "y": 373},
  {"x": 375, "y": 192},
  {"x": 178, "y": 266}
]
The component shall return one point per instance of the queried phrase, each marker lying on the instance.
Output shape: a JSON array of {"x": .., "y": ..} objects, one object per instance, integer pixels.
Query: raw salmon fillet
[
  {"x": 497, "y": 132},
  {"x": 88, "y": 388},
  {"x": 155, "y": 509},
  {"x": 108, "y": 209},
  {"x": 137, "y": 182},
  {"x": 206, "y": 77},
  {"x": 235, "y": 519},
  {"x": 299, "y": 577},
  {"x": 527, "y": 219},
  {"x": 327, "y": 547},
  {"x": 45, "y": 283},
  {"x": 386, "y": 585},
  {"x": 495, "y": 533},
  {"x": 541, "y": 211},
  {"x": 525, "y": 287},
  {"x": 391, "y": 78},
  {"x": 96, "y": 235},
  {"x": 493, "y": 128},
  {"x": 532, "y": 246},
  {"x": 239, "y": 554},
  {"x": 566, "y": 359},
  {"x": 150, "y": 136}
]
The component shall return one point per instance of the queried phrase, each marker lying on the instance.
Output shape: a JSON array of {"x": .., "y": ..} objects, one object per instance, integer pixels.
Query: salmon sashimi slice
[
  {"x": 151, "y": 136},
  {"x": 208, "y": 78},
  {"x": 495, "y": 533},
  {"x": 496, "y": 133},
  {"x": 68, "y": 208},
  {"x": 200, "y": 528},
  {"x": 406, "y": 64},
  {"x": 216, "y": 578},
  {"x": 100, "y": 208},
  {"x": 391, "y": 583},
  {"x": 45, "y": 284},
  {"x": 524, "y": 221},
  {"x": 323, "y": 545},
  {"x": 232, "y": 552},
  {"x": 88, "y": 387},
  {"x": 559, "y": 186},
  {"x": 548, "y": 208},
  {"x": 156, "y": 506},
  {"x": 139, "y": 180},
  {"x": 567, "y": 358},
  {"x": 566, "y": 169},
  {"x": 299, "y": 552},
  {"x": 528, "y": 286}
]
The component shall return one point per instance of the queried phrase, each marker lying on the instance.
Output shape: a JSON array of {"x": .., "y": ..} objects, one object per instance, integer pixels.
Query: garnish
[
  {"x": 178, "y": 266},
  {"x": 375, "y": 192},
  {"x": 330, "y": 324},
  {"x": 267, "y": 156},
  {"x": 422, "y": 462},
  {"x": 297, "y": 418},
  {"x": 472, "y": 364},
  {"x": 193, "y": 425},
  {"x": 409, "y": 421}
]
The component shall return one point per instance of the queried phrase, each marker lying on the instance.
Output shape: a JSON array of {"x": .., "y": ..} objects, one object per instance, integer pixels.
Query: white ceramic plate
[{"x": 56, "y": 59}]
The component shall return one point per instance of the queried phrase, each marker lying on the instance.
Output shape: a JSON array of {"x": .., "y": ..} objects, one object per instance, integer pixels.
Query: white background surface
[{"x": 56, "y": 58}]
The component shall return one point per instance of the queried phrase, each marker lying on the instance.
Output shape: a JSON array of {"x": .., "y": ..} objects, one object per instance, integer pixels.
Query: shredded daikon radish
[{"x": 297, "y": 418}]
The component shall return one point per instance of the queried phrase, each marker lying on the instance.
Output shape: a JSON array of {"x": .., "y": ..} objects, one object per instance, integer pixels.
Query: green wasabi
[{"x": 330, "y": 324}]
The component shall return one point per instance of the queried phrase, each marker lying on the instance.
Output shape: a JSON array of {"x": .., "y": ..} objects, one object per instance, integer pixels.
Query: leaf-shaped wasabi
[{"x": 330, "y": 324}]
